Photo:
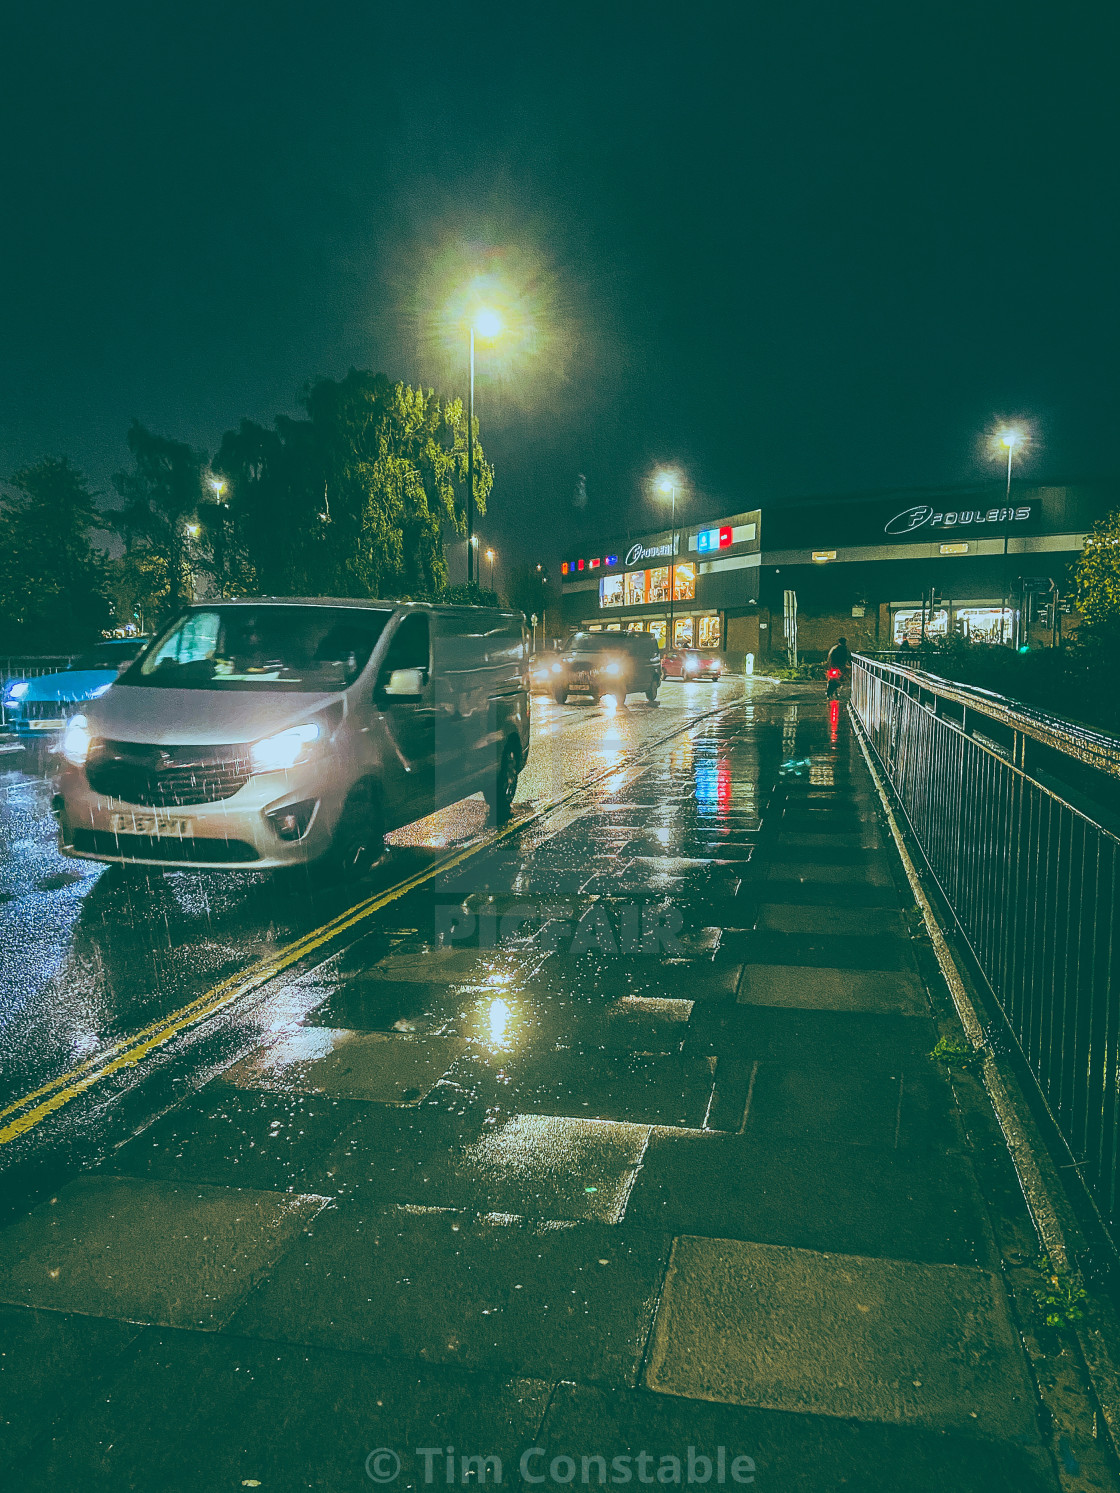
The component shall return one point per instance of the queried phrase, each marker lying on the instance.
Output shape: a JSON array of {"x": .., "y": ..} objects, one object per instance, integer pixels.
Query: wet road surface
[
  {"x": 618, "y": 1139},
  {"x": 90, "y": 953}
]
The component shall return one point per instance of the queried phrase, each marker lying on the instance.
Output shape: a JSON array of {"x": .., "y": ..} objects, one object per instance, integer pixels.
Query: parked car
[
  {"x": 609, "y": 663},
  {"x": 37, "y": 709},
  {"x": 545, "y": 667},
  {"x": 267, "y": 734},
  {"x": 692, "y": 663}
]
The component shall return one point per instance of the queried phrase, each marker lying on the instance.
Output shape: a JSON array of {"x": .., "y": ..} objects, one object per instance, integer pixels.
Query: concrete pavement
[{"x": 619, "y": 1142}]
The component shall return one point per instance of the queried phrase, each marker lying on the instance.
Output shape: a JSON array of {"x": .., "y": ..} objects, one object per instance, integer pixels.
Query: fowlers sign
[
  {"x": 639, "y": 552},
  {"x": 922, "y": 516}
]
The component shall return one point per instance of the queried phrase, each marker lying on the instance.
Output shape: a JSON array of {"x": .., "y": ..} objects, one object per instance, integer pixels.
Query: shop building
[{"x": 877, "y": 567}]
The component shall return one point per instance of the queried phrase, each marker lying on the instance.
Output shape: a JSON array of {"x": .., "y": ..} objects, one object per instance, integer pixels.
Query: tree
[
  {"x": 1097, "y": 573},
  {"x": 354, "y": 499},
  {"x": 161, "y": 499},
  {"x": 138, "y": 587},
  {"x": 52, "y": 579}
]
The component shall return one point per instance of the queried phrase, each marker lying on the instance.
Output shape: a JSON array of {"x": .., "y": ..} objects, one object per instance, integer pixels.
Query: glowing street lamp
[
  {"x": 487, "y": 323},
  {"x": 490, "y": 557},
  {"x": 666, "y": 483},
  {"x": 219, "y": 487}
]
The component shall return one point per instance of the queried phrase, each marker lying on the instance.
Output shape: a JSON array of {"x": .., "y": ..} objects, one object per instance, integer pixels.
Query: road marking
[{"x": 24, "y": 1114}]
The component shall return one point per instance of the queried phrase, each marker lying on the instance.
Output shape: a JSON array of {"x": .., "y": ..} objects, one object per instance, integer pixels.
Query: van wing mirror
[{"x": 405, "y": 684}]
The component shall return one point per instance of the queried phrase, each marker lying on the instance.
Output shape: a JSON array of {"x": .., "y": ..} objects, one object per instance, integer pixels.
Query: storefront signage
[
  {"x": 638, "y": 552},
  {"x": 922, "y": 516}
]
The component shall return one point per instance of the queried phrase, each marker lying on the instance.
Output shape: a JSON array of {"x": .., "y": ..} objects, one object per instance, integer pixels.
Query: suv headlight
[
  {"x": 16, "y": 691},
  {"x": 612, "y": 666},
  {"x": 285, "y": 749},
  {"x": 77, "y": 739}
]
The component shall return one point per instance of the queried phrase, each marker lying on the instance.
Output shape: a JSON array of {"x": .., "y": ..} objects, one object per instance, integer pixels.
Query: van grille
[
  {"x": 45, "y": 710},
  {"x": 167, "y": 777},
  {"x": 168, "y": 848}
]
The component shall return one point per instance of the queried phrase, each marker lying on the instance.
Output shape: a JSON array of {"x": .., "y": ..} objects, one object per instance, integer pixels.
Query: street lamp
[
  {"x": 1012, "y": 439},
  {"x": 488, "y": 324},
  {"x": 490, "y": 557},
  {"x": 666, "y": 483},
  {"x": 219, "y": 486}
]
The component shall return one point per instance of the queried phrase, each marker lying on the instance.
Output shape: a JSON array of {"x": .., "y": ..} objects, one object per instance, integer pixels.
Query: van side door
[{"x": 404, "y": 697}]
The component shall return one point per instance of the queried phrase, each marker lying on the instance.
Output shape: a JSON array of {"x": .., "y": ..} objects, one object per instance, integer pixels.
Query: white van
[{"x": 269, "y": 733}]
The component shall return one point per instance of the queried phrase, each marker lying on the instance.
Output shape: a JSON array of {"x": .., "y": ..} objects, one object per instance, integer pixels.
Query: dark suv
[{"x": 609, "y": 663}]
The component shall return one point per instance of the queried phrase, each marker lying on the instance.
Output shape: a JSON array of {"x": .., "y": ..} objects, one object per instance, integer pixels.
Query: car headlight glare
[
  {"x": 77, "y": 739},
  {"x": 556, "y": 668},
  {"x": 612, "y": 666},
  {"x": 16, "y": 691},
  {"x": 285, "y": 749}
]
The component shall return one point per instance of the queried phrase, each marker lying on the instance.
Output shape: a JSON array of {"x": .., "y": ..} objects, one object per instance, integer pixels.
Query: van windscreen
[{"x": 312, "y": 650}]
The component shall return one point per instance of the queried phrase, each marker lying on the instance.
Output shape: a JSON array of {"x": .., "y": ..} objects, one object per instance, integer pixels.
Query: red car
[{"x": 691, "y": 663}]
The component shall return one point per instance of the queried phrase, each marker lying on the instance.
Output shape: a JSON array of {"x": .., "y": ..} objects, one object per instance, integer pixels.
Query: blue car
[{"x": 36, "y": 709}]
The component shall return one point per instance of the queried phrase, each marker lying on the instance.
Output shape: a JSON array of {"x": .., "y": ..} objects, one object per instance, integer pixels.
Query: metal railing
[{"x": 1017, "y": 815}]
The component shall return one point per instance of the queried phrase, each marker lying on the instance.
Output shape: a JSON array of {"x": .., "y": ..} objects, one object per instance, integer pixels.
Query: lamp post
[
  {"x": 218, "y": 486},
  {"x": 1010, "y": 439},
  {"x": 487, "y": 324},
  {"x": 667, "y": 483},
  {"x": 490, "y": 557}
]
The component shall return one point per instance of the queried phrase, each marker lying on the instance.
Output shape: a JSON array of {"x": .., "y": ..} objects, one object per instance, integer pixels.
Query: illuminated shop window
[
  {"x": 611, "y": 591},
  {"x": 708, "y": 632},
  {"x": 682, "y": 632},
  {"x": 908, "y": 625},
  {"x": 658, "y": 627},
  {"x": 982, "y": 624},
  {"x": 636, "y": 583},
  {"x": 658, "y": 588},
  {"x": 684, "y": 585}
]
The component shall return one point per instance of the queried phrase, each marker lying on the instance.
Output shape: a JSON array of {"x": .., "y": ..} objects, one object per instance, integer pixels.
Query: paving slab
[
  {"x": 638, "y": 1088},
  {"x": 243, "y": 1138},
  {"x": 552, "y": 1166},
  {"x": 548, "y": 1300},
  {"x": 870, "y": 1104},
  {"x": 821, "y": 1195},
  {"x": 198, "y": 1413},
  {"x": 141, "y": 1250},
  {"x": 787, "y": 1034},
  {"x": 793, "y": 917},
  {"x": 825, "y": 989},
  {"x": 791, "y": 1453},
  {"x": 808, "y": 893},
  {"x": 875, "y": 873},
  {"x": 821, "y": 950},
  {"x": 378, "y": 1067},
  {"x": 862, "y": 1338},
  {"x": 51, "y": 1363}
]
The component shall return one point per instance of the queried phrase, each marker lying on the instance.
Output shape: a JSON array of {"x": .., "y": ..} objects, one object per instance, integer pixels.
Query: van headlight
[
  {"x": 16, "y": 691},
  {"x": 285, "y": 749},
  {"x": 76, "y": 740},
  {"x": 612, "y": 666}
]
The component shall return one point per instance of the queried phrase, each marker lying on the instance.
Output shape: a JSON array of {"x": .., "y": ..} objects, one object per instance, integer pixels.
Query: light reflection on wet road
[{"x": 90, "y": 954}]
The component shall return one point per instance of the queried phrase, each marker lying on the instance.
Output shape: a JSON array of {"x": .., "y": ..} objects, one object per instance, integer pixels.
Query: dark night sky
[{"x": 799, "y": 248}]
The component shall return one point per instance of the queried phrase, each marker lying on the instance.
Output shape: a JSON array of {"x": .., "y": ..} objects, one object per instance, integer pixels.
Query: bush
[{"x": 1075, "y": 681}]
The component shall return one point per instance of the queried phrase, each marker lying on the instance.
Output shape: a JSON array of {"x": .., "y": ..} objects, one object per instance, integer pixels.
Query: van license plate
[
  {"x": 47, "y": 725},
  {"x": 162, "y": 826}
]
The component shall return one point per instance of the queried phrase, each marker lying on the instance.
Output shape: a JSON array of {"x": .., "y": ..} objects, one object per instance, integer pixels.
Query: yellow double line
[{"x": 32, "y": 1109}]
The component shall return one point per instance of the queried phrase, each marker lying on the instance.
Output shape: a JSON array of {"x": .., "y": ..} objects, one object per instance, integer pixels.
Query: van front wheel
[
  {"x": 500, "y": 794},
  {"x": 359, "y": 837}
]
